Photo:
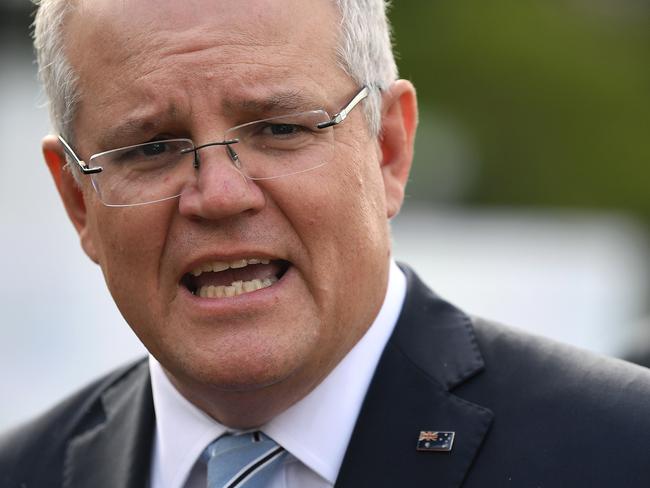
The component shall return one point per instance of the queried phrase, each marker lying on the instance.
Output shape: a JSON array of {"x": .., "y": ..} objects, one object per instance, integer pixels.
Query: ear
[
  {"x": 398, "y": 125},
  {"x": 70, "y": 192}
]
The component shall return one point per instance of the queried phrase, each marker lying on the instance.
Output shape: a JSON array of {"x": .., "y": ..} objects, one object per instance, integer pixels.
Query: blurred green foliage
[{"x": 530, "y": 102}]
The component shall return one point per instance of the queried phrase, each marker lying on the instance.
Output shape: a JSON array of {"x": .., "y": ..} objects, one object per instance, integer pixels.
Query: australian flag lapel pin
[{"x": 431, "y": 440}]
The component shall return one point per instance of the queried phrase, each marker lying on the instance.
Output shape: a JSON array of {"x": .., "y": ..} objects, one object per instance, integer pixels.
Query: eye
[
  {"x": 155, "y": 153},
  {"x": 154, "y": 148},
  {"x": 283, "y": 129}
]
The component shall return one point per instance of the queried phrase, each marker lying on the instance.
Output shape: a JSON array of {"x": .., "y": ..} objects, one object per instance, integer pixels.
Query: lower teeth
[{"x": 236, "y": 288}]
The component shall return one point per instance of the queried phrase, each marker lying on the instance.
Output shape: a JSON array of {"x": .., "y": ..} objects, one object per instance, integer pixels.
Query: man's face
[{"x": 193, "y": 69}]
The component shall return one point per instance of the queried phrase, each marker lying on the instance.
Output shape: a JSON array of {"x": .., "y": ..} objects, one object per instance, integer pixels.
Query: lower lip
[{"x": 261, "y": 298}]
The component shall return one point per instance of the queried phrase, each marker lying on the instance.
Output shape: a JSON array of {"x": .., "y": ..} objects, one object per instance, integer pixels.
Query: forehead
[
  {"x": 139, "y": 48},
  {"x": 243, "y": 20}
]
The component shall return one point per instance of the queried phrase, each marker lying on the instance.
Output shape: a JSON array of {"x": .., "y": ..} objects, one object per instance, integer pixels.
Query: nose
[{"x": 219, "y": 190}]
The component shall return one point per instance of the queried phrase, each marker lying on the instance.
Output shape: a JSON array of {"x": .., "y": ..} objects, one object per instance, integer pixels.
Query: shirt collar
[
  {"x": 182, "y": 431},
  {"x": 316, "y": 429}
]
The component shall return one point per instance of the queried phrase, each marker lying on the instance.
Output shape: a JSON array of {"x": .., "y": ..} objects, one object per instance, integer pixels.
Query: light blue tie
[{"x": 246, "y": 460}]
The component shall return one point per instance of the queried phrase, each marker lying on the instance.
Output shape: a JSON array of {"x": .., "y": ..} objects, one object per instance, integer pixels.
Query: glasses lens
[
  {"x": 281, "y": 146},
  {"x": 143, "y": 173}
]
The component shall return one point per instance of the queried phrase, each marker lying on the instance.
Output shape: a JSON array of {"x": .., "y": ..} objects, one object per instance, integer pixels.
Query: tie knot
[{"x": 246, "y": 460}]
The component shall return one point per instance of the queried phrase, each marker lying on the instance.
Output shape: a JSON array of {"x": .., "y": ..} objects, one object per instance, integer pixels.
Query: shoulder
[
  {"x": 514, "y": 357},
  {"x": 504, "y": 362},
  {"x": 45, "y": 438},
  {"x": 560, "y": 413}
]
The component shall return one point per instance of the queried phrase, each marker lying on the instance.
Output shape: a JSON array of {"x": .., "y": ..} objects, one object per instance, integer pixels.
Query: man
[{"x": 232, "y": 167}]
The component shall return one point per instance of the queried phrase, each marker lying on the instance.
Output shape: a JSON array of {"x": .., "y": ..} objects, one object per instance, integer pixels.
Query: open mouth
[{"x": 221, "y": 279}]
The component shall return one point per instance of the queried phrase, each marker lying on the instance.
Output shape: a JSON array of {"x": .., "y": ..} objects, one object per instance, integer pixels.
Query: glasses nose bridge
[
  {"x": 234, "y": 159},
  {"x": 201, "y": 164}
]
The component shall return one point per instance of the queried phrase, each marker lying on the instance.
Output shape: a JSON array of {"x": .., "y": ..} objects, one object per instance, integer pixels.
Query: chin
[{"x": 234, "y": 373}]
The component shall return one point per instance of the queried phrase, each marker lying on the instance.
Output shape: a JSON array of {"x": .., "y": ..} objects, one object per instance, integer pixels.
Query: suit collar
[
  {"x": 122, "y": 436},
  {"x": 431, "y": 351},
  {"x": 436, "y": 336}
]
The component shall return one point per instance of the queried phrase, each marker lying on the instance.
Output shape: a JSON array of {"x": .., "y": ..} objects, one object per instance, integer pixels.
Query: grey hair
[
  {"x": 364, "y": 52},
  {"x": 57, "y": 76}
]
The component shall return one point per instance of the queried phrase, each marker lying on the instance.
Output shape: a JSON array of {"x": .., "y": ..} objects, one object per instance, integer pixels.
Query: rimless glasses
[{"x": 264, "y": 149}]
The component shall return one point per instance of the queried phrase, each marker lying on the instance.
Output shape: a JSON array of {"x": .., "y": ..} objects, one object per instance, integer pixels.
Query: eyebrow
[
  {"x": 127, "y": 129},
  {"x": 292, "y": 100}
]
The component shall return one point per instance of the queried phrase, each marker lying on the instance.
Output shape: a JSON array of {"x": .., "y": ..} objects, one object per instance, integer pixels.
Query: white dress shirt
[{"x": 315, "y": 431}]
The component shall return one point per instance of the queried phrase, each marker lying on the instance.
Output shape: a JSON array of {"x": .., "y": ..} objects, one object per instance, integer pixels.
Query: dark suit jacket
[{"x": 526, "y": 412}]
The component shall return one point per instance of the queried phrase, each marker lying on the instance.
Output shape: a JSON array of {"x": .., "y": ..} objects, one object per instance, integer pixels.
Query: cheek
[
  {"x": 340, "y": 218},
  {"x": 130, "y": 244},
  {"x": 350, "y": 241},
  {"x": 358, "y": 207}
]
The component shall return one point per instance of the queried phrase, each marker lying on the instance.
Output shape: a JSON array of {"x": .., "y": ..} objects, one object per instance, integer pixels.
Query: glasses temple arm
[
  {"x": 340, "y": 117},
  {"x": 82, "y": 164}
]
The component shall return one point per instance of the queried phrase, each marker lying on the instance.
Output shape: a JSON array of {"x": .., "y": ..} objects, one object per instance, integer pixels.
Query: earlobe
[
  {"x": 399, "y": 123},
  {"x": 69, "y": 191}
]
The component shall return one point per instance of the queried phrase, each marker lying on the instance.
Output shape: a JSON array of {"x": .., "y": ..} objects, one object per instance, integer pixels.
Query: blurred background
[{"x": 527, "y": 204}]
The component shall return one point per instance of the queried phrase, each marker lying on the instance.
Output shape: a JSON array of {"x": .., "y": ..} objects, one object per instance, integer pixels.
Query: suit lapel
[
  {"x": 115, "y": 452},
  {"x": 431, "y": 351}
]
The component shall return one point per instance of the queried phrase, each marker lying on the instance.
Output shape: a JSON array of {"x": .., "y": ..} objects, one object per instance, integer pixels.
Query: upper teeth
[{"x": 217, "y": 266}]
